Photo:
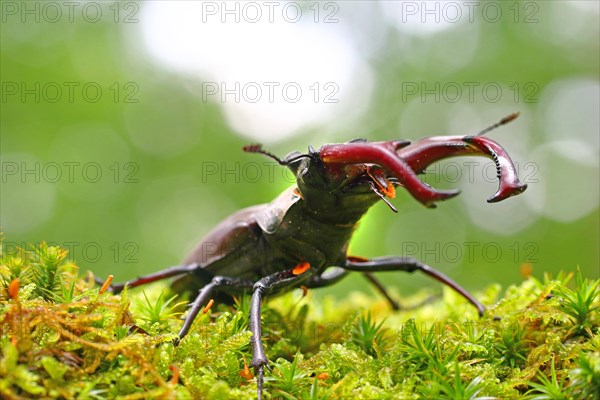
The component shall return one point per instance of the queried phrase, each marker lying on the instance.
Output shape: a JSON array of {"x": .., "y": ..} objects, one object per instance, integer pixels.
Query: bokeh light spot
[
  {"x": 273, "y": 78},
  {"x": 569, "y": 177}
]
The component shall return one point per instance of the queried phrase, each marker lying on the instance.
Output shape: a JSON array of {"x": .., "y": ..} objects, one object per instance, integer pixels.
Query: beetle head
[
  {"x": 353, "y": 175},
  {"x": 352, "y": 187}
]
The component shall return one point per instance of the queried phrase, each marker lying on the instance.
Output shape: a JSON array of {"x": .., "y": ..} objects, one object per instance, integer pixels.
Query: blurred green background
[{"x": 122, "y": 124}]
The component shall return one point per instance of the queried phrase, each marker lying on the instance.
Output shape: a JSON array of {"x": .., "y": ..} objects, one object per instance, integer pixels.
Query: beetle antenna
[
  {"x": 257, "y": 148},
  {"x": 503, "y": 121}
]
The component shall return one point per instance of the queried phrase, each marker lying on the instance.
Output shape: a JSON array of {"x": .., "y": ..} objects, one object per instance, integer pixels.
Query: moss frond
[{"x": 61, "y": 338}]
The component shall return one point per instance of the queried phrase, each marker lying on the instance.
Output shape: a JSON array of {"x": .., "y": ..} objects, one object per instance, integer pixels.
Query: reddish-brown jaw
[
  {"x": 406, "y": 161},
  {"x": 385, "y": 155},
  {"x": 425, "y": 152}
]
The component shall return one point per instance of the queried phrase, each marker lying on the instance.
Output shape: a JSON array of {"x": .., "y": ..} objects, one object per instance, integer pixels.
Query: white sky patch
[{"x": 274, "y": 70}]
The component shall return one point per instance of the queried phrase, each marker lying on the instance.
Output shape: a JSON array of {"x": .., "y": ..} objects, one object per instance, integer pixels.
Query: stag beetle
[{"x": 301, "y": 238}]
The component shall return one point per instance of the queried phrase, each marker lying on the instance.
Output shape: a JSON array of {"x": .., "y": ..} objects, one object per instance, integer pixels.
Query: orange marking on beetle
[
  {"x": 13, "y": 288},
  {"x": 297, "y": 193},
  {"x": 301, "y": 268},
  {"x": 322, "y": 376},
  {"x": 388, "y": 188},
  {"x": 106, "y": 284},
  {"x": 357, "y": 259},
  {"x": 208, "y": 306},
  {"x": 175, "y": 377},
  {"x": 390, "y": 191}
]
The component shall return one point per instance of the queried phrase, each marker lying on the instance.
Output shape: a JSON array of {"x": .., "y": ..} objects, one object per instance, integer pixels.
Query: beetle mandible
[{"x": 301, "y": 238}]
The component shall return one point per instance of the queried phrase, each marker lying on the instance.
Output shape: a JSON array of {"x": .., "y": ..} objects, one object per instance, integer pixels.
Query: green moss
[{"x": 62, "y": 338}]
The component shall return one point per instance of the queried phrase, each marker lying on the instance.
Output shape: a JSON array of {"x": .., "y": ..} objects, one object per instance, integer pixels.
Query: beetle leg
[
  {"x": 335, "y": 274},
  {"x": 393, "y": 303},
  {"x": 327, "y": 278},
  {"x": 408, "y": 264},
  {"x": 375, "y": 282},
  {"x": 204, "y": 296},
  {"x": 157, "y": 276},
  {"x": 275, "y": 282}
]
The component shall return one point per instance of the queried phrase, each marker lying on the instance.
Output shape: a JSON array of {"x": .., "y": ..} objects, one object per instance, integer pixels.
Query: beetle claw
[
  {"x": 259, "y": 372},
  {"x": 425, "y": 152},
  {"x": 440, "y": 195},
  {"x": 386, "y": 155},
  {"x": 506, "y": 192}
]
